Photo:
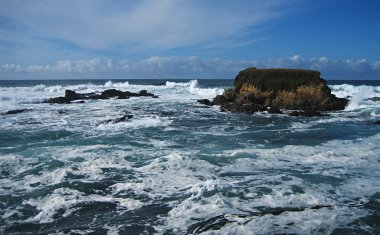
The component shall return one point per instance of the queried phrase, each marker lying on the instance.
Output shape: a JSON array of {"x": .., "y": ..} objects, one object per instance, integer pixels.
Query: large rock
[{"x": 293, "y": 89}]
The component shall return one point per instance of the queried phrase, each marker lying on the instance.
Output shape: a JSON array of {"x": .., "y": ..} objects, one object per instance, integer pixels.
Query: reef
[
  {"x": 271, "y": 90},
  {"x": 73, "y": 97}
]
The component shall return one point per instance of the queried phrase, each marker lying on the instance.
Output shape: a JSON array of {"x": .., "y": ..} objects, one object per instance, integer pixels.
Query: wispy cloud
[
  {"x": 331, "y": 69},
  {"x": 137, "y": 25}
]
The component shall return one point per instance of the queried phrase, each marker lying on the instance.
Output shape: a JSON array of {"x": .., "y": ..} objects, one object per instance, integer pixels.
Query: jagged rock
[
  {"x": 258, "y": 89},
  {"x": 243, "y": 108},
  {"x": 70, "y": 96},
  {"x": 59, "y": 100},
  {"x": 117, "y": 120},
  {"x": 15, "y": 111},
  {"x": 274, "y": 110},
  {"x": 205, "y": 102},
  {"x": 306, "y": 113},
  {"x": 220, "y": 100},
  {"x": 111, "y": 93},
  {"x": 294, "y": 113}
]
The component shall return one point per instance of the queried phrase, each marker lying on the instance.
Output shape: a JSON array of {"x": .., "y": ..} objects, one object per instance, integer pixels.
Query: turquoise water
[{"x": 178, "y": 167}]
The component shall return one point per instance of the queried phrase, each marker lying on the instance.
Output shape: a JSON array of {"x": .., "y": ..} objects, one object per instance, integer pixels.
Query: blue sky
[{"x": 187, "y": 39}]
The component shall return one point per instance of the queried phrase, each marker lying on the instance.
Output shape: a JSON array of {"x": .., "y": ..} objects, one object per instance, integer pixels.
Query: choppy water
[{"x": 177, "y": 167}]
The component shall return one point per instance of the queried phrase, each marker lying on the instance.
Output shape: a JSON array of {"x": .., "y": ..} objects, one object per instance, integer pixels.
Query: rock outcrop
[
  {"x": 274, "y": 89},
  {"x": 71, "y": 96}
]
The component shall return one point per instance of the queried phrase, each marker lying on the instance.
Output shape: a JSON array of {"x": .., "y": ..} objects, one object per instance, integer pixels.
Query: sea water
[{"x": 179, "y": 167}]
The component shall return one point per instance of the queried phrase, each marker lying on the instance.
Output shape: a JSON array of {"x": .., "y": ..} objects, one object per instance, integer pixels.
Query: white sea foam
[
  {"x": 194, "y": 184},
  {"x": 332, "y": 159},
  {"x": 202, "y": 187},
  {"x": 358, "y": 95},
  {"x": 119, "y": 85},
  {"x": 67, "y": 199},
  {"x": 137, "y": 123},
  {"x": 346, "y": 90},
  {"x": 167, "y": 175},
  {"x": 194, "y": 89}
]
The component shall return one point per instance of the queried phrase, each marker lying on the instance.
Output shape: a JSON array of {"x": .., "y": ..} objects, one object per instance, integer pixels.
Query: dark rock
[
  {"x": 274, "y": 110},
  {"x": 377, "y": 122},
  {"x": 306, "y": 113},
  {"x": 111, "y": 93},
  {"x": 143, "y": 93},
  {"x": 374, "y": 99},
  {"x": 220, "y": 100},
  {"x": 117, "y": 120},
  {"x": 15, "y": 111},
  {"x": 294, "y": 113},
  {"x": 311, "y": 113},
  {"x": 205, "y": 102},
  {"x": 59, "y": 100},
  {"x": 70, "y": 96}
]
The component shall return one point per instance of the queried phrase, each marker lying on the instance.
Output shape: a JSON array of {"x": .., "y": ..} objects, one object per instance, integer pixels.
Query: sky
[{"x": 111, "y": 39}]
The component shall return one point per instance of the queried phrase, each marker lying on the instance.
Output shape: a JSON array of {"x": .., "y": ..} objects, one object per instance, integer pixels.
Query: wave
[
  {"x": 111, "y": 84},
  {"x": 193, "y": 87},
  {"x": 358, "y": 95}
]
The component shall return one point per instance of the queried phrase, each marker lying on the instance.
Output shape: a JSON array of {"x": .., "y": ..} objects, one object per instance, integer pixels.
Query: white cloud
[
  {"x": 10, "y": 68},
  {"x": 357, "y": 68}
]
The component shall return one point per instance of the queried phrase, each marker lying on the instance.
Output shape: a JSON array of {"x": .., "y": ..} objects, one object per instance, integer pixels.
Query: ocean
[{"x": 178, "y": 167}]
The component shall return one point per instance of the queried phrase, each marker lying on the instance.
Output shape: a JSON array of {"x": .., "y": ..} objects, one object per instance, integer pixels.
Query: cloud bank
[{"x": 195, "y": 66}]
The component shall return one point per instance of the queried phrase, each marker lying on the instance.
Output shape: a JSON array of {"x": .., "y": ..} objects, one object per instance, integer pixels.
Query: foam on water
[
  {"x": 347, "y": 90},
  {"x": 187, "y": 162},
  {"x": 66, "y": 199},
  {"x": 320, "y": 160},
  {"x": 358, "y": 95}
]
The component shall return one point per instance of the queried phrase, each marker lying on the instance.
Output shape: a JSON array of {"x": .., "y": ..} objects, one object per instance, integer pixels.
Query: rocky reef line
[
  {"x": 271, "y": 90},
  {"x": 72, "y": 96}
]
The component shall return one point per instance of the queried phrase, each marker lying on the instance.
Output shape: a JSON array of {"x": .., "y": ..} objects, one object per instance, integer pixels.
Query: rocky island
[{"x": 270, "y": 90}]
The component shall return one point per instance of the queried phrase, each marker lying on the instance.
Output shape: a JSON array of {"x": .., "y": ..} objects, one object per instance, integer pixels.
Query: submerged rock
[
  {"x": 374, "y": 99},
  {"x": 71, "y": 96},
  {"x": 117, "y": 120},
  {"x": 15, "y": 111},
  {"x": 218, "y": 222},
  {"x": 274, "y": 89},
  {"x": 306, "y": 113}
]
